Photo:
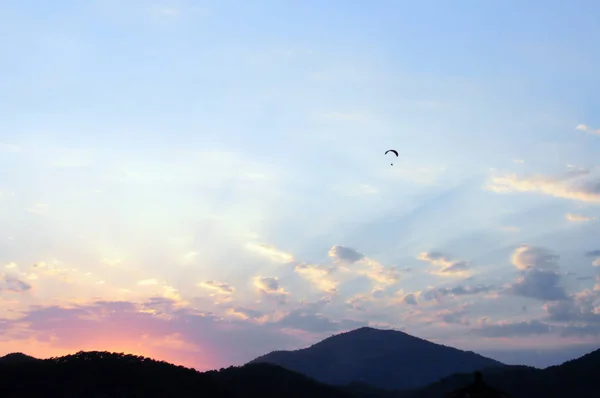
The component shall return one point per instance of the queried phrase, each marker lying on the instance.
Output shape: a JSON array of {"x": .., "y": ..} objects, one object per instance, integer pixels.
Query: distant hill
[
  {"x": 385, "y": 359},
  {"x": 272, "y": 381},
  {"x": 103, "y": 374},
  {"x": 17, "y": 357},
  {"x": 576, "y": 378}
]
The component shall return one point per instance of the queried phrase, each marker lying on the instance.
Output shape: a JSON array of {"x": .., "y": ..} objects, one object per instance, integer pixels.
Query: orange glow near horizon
[
  {"x": 44, "y": 351},
  {"x": 171, "y": 349}
]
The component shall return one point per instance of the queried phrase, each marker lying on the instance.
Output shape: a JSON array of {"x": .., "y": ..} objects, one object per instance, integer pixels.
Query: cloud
[
  {"x": 271, "y": 252},
  {"x": 542, "y": 285},
  {"x": 267, "y": 284},
  {"x": 12, "y": 284},
  {"x": 448, "y": 267},
  {"x": 345, "y": 254},
  {"x": 540, "y": 278},
  {"x": 315, "y": 323},
  {"x": 218, "y": 287},
  {"x": 352, "y": 261},
  {"x": 154, "y": 327},
  {"x": 580, "y": 330},
  {"x": 580, "y": 308},
  {"x": 577, "y": 184},
  {"x": 594, "y": 253},
  {"x": 318, "y": 275},
  {"x": 460, "y": 290},
  {"x": 347, "y": 263},
  {"x": 378, "y": 273},
  {"x": 359, "y": 302},
  {"x": 455, "y": 316},
  {"x": 269, "y": 287},
  {"x": 526, "y": 257},
  {"x": 578, "y": 217},
  {"x": 53, "y": 269},
  {"x": 245, "y": 313},
  {"x": 512, "y": 329},
  {"x": 585, "y": 128},
  {"x": 410, "y": 299}
]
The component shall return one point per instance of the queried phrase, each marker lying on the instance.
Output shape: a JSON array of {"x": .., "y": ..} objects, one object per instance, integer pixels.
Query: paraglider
[{"x": 395, "y": 152}]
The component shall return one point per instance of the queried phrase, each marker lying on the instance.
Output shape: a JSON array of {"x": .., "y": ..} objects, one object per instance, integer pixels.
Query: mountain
[
  {"x": 103, "y": 374},
  {"x": 17, "y": 357},
  {"x": 267, "y": 380},
  {"x": 386, "y": 359},
  {"x": 575, "y": 378}
]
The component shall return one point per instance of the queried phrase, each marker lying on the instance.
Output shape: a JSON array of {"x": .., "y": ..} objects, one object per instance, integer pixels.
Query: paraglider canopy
[{"x": 395, "y": 152}]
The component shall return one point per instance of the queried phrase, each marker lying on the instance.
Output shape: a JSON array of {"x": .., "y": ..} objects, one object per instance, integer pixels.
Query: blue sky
[{"x": 205, "y": 181}]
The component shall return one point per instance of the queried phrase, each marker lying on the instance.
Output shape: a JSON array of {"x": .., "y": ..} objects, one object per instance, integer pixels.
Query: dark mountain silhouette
[
  {"x": 267, "y": 380},
  {"x": 575, "y": 378},
  {"x": 385, "y": 359},
  {"x": 104, "y": 374},
  {"x": 17, "y": 357}
]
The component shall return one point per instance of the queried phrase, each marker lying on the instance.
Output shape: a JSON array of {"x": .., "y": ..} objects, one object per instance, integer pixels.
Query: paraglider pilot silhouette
[{"x": 395, "y": 152}]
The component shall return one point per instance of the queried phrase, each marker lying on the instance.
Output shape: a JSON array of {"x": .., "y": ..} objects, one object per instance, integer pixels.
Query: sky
[{"x": 204, "y": 182}]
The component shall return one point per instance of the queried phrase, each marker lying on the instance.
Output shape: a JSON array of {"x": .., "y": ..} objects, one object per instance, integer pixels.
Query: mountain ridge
[
  {"x": 387, "y": 359},
  {"x": 100, "y": 374}
]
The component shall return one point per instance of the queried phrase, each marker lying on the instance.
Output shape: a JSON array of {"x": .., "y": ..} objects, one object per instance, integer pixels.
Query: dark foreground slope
[
  {"x": 576, "y": 378},
  {"x": 382, "y": 358},
  {"x": 102, "y": 374}
]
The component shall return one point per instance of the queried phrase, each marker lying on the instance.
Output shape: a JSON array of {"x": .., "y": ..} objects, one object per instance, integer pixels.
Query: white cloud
[
  {"x": 269, "y": 286},
  {"x": 577, "y": 184},
  {"x": 219, "y": 287},
  {"x": 578, "y": 217},
  {"x": 319, "y": 275},
  {"x": 585, "y": 128},
  {"x": 447, "y": 267},
  {"x": 352, "y": 261},
  {"x": 539, "y": 278},
  {"x": 271, "y": 252},
  {"x": 528, "y": 257}
]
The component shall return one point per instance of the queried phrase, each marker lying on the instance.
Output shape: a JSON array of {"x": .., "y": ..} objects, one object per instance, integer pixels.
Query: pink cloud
[{"x": 155, "y": 328}]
